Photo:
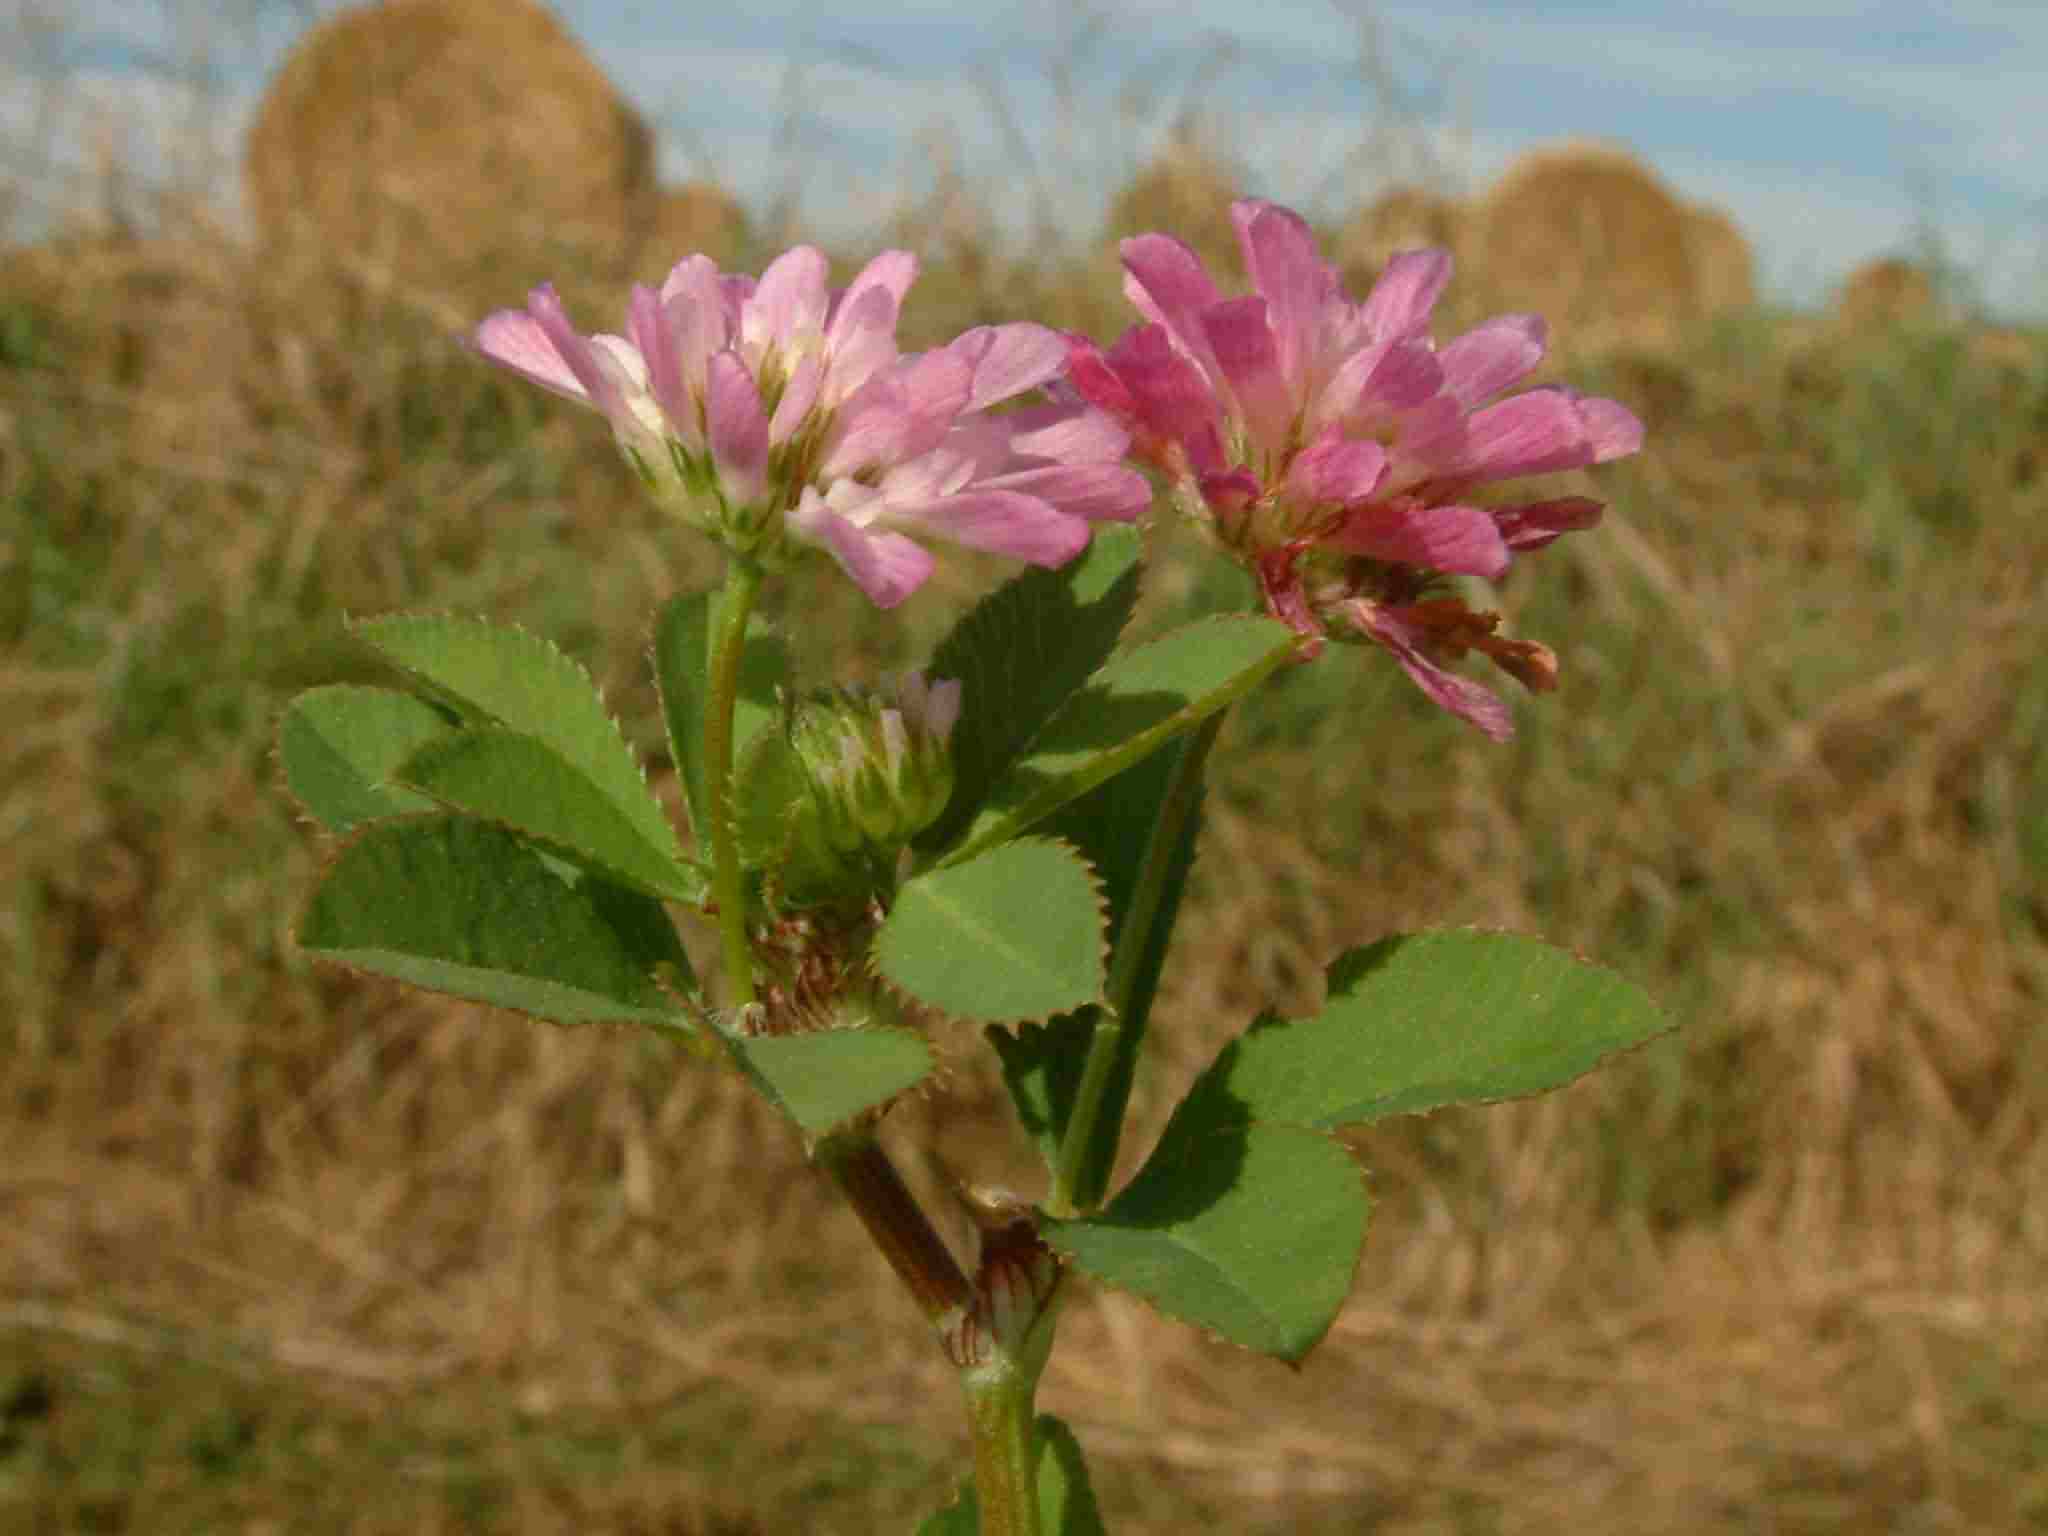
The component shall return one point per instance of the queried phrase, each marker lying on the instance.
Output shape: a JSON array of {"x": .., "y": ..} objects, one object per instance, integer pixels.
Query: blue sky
[{"x": 1834, "y": 130}]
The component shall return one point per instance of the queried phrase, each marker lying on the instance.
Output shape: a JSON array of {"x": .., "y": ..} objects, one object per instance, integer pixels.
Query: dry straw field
[{"x": 286, "y": 1250}]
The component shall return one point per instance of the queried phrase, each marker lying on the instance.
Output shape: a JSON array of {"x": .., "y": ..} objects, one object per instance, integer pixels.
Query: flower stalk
[{"x": 728, "y": 878}]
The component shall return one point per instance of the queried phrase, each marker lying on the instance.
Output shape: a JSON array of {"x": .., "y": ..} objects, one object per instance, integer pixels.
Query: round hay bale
[
  {"x": 1185, "y": 192},
  {"x": 1403, "y": 218},
  {"x": 425, "y": 141},
  {"x": 1588, "y": 236},
  {"x": 1883, "y": 295},
  {"x": 1723, "y": 266},
  {"x": 698, "y": 216}
]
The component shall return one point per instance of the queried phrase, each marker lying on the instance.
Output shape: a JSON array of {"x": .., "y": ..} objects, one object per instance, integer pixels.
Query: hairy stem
[{"x": 728, "y": 880}]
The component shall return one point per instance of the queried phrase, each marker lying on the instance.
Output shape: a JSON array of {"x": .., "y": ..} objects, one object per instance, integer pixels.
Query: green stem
[
  {"x": 1005, "y": 1460},
  {"x": 1183, "y": 791},
  {"x": 728, "y": 879}
]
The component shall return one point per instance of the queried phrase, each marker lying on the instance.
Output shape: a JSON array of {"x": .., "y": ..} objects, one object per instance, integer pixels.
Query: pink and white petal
[
  {"x": 1408, "y": 288},
  {"x": 1281, "y": 258},
  {"x": 1001, "y": 522},
  {"x": 898, "y": 415},
  {"x": 545, "y": 305},
  {"x": 737, "y": 427},
  {"x": 698, "y": 322},
  {"x": 864, "y": 343},
  {"x": 1462, "y": 541},
  {"x": 1241, "y": 338},
  {"x": 788, "y": 304},
  {"x": 1462, "y": 697},
  {"x": 886, "y": 566},
  {"x": 1009, "y": 359},
  {"x": 1530, "y": 525},
  {"x": 1493, "y": 356},
  {"x": 1335, "y": 470},
  {"x": 891, "y": 273},
  {"x": 1097, "y": 492},
  {"x": 799, "y": 393},
  {"x": 651, "y": 335},
  {"x": 514, "y": 339}
]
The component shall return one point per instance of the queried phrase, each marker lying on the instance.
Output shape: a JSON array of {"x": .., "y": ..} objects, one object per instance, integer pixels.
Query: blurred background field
[{"x": 287, "y": 1250}]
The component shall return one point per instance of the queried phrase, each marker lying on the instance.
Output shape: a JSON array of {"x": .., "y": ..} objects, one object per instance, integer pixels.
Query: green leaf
[
  {"x": 1066, "y": 1499},
  {"x": 1111, "y": 826},
  {"x": 1014, "y": 934},
  {"x": 502, "y": 676},
  {"x": 823, "y": 1080},
  {"x": 516, "y": 779},
  {"x": 465, "y": 907},
  {"x": 1417, "y": 1022},
  {"x": 1250, "y": 1231},
  {"x": 339, "y": 746},
  {"x": 1019, "y": 653},
  {"x": 682, "y": 669},
  {"x": 1133, "y": 706}
]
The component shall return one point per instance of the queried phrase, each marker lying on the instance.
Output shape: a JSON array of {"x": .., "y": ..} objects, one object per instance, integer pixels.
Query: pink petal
[
  {"x": 1097, "y": 492},
  {"x": 886, "y": 566},
  {"x": 1095, "y": 380},
  {"x": 1070, "y": 434},
  {"x": 545, "y": 305},
  {"x": 1614, "y": 431},
  {"x": 1463, "y": 541},
  {"x": 800, "y": 393},
  {"x": 1165, "y": 280},
  {"x": 1461, "y": 696},
  {"x": 1528, "y": 434},
  {"x": 1406, "y": 292},
  {"x": 737, "y": 427},
  {"x": 889, "y": 274},
  {"x": 513, "y": 339},
  {"x": 1280, "y": 255},
  {"x": 1243, "y": 345},
  {"x": 1335, "y": 469},
  {"x": 1002, "y": 522},
  {"x": 1491, "y": 357},
  {"x": 864, "y": 341},
  {"x": 1379, "y": 379},
  {"x": 1009, "y": 359},
  {"x": 664, "y": 369},
  {"x": 1533, "y": 524},
  {"x": 898, "y": 415},
  {"x": 1172, "y": 396}
]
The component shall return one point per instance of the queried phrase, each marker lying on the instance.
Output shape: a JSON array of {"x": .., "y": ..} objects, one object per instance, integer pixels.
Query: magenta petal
[
  {"x": 1092, "y": 377},
  {"x": 1009, "y": 359},
  {"x": 1280, "y": 256},
  {"x": 737, "y": 428},
  {"x": 1337, "y": 470},
  {"x": 513, "y": 339},
  {"x": 1097, "y": 492},
  {"x": 886, "y": 566},
  {"x": 1461, "y": 696},
  {"x": 1406, "y": 292},
  {"x": 1002, "y": 522},
  {"x": 1246, "y": 354},
  {"x": 1463, "y": 541},
  {"x": 1491, "y": 357},
  {"x": 1533, "y": 524},
  {"x": 1172, "y": 397}
]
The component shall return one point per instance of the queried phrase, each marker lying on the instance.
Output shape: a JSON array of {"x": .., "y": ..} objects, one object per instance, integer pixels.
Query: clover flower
[
  {"x": 1333, "y": 446},
  {"x": 776, "y": 410}
]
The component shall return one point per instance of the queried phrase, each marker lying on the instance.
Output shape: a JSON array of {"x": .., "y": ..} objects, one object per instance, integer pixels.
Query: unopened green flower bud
[{"x": 878, "y": 770}]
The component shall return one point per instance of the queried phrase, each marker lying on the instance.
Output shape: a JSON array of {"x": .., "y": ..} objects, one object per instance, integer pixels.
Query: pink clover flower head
[
  {"x": 1334, "y": 447},
  {"x": 776, "y": 411}
]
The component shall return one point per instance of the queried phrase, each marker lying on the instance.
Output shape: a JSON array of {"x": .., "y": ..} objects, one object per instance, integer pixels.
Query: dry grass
[{"x": 289, "y": 1250}]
